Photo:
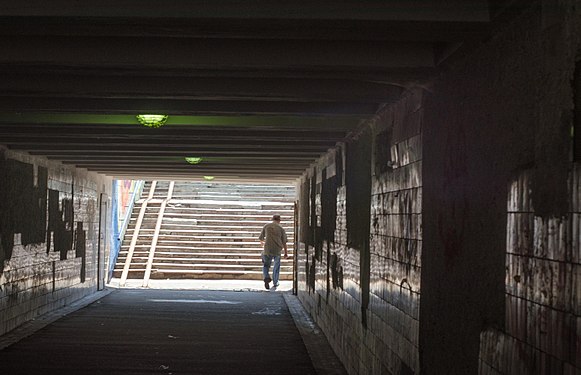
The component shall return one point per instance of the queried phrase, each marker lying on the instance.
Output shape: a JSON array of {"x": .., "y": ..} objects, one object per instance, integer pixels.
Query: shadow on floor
[{"x": 146, "y": 331}]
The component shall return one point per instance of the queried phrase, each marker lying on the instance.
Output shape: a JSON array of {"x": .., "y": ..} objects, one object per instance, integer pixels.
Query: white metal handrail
[
  {"x": 131, "y": 250},
  {"x": 151, "y": 256}
]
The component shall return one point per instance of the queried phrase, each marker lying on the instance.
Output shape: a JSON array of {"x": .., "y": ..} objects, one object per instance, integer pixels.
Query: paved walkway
[
  {"x": 145, "y": 331},
  {"x": 199, "y": 284}
]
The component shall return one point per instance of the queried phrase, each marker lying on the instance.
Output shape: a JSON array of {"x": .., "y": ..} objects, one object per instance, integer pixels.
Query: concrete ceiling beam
[
  {"x": 68, "y": 104},
  {"x": 298, "y": 29},
  {"x": 130, "y": 159},
  {"x": 198, "y": 88},
  {"x": 217, "y": 54},
  {"x": 399, "y": 76},
  {"x": 61, "y": 155},
  {"x": 386, "y": 10},
  {"x": 126, "y": 147},
  {"x": 80, "y": 135},
  {"x": 197, "y": 124},
  {"x": 153, "y": 141},
  {"x": 185, "y": 169},
  {"x": 181, "y": 163}
]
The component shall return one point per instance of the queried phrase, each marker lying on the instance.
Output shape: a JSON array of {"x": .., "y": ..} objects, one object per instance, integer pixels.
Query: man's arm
[{"x": 261, "y": 237}]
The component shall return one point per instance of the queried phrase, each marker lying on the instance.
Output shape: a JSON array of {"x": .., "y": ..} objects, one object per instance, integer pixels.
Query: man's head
[{"x": 276, "y": 218}]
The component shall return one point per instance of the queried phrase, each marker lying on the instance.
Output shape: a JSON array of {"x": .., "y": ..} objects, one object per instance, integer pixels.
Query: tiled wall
[
  {"x": 386, "y": 341},
  {"x": 336, "y": 308},
  {"x": 499, "y": 290},
  {"x": 543, "y": 289},
  {"x": 498, "y": 127},
  {"x": 396, "y": 247},
  {"x": 38, "y": 277}
]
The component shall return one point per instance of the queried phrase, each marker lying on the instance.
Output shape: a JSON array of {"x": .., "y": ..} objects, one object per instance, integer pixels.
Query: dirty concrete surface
[{"x": 167, "y": 332}]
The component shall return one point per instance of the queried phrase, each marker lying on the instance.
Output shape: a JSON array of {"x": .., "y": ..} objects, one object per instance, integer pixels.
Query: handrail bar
[
  {"x": 129, "y": 258},
  {"x": 160, "y": 214}
]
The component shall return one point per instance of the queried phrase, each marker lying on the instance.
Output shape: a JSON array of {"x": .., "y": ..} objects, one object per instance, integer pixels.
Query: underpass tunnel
[{"x": 425, "y": 159}]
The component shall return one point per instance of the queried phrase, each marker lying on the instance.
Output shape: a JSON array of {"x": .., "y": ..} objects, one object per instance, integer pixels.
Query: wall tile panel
[
  {"x": 389, "y": 342},
  {"x": 37, "y": 278},
  {"x": 543, "y": 289}
]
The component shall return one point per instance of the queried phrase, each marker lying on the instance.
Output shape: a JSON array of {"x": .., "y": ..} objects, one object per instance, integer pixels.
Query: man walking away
[{"x": 273, "y": 239}]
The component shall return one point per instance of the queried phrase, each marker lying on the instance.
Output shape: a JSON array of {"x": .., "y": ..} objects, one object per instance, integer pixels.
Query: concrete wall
[
  {"x": 49, "y": 236},
  {"x": 477, "y": 217},
  {"x": 500, "y": 204},
  {"x": 542, "y": 328},
  {"x": 377, "y": 334}
]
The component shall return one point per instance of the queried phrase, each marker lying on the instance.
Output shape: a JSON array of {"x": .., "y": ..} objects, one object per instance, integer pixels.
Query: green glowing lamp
[
  {"x": 209, "y": 178},
  {"x": 193, "y": 160},
  {"x": 152, "y": 121}
]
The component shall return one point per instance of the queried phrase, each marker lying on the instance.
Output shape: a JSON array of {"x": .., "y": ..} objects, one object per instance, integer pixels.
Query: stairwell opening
[{"x": 200, "y": 235}]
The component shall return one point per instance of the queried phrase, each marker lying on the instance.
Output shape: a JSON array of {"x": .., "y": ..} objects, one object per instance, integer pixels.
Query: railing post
[{"x": 156, "y": 235}]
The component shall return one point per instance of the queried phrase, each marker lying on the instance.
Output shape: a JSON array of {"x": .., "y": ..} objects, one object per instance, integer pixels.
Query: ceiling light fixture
[
  {"x": 193, "y": 160},
  {"x": 152, "y": 121},
  {"x": 209, "y": 178}
]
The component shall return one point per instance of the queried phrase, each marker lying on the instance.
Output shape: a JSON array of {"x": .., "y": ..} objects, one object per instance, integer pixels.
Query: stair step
[
  {"x": 210, "y": 218},
  {"x": 215, "y": 229},
  {"x": 167, "y": 270},
  {"x": 156, "y": 265},
  {"x": 196, "y": 248},
  {"x": 204, "y": 275},
  {"x": 223, "y": 243},
  {"x": 195, "y": 255},
  {"x": 207, "y": 260},
  {"x": 198, "y": 271},
  {"x": 221, "y": 204}
]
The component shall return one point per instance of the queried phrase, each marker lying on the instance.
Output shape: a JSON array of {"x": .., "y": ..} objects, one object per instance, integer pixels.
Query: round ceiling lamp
[
  {"x": 193, "y": 160},
  {"x": 152, "y": 121}
]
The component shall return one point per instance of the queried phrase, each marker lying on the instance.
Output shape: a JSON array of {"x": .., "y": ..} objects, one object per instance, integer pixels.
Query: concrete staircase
[{"x": 192, "y": 230}]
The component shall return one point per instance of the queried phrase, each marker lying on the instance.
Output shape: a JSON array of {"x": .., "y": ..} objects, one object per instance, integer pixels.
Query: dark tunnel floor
[{"x": 167, "y": 332}]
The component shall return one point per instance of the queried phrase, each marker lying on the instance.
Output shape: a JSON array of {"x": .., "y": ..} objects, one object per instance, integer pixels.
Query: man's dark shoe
[{"x": 267, "y": 283}]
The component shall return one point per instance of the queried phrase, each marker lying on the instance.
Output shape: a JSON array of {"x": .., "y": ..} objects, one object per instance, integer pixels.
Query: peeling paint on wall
[
  {"x": 328, "y": 208},
  {"x": 368, "y": 293},
  {"x": 48, "y": 236},
  {"x": 22, "y": 205},
  {"x": 80, "y": 248},
  {"x": 26, "y": 203},
  {"x": 358, "y": 187},
  {"x": 60, "y": 224}
]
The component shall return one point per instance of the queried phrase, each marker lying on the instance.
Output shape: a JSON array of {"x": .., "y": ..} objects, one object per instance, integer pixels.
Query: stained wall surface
[
  {"x": 501, "y": 197},
  {"x": 49, "y": 236},
  {"x": 472, "y": 259},
  {"x": 371, "y": 316},
  {"x": 543, "y": 288}
]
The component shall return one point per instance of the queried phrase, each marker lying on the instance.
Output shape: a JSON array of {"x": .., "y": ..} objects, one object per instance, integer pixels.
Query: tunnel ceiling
[{"x": 258, "y": 89}]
